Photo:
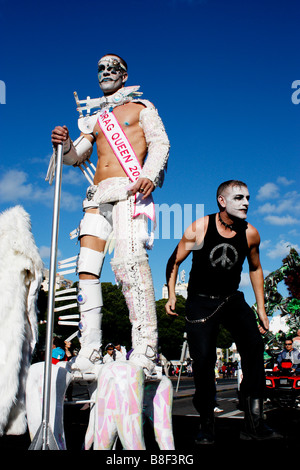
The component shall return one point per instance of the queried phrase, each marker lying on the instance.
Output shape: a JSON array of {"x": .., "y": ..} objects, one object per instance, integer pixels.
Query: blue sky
[{"x": 220, "y": 73}]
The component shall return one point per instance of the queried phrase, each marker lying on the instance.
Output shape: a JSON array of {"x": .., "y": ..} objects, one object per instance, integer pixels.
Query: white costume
[
  {"x": 21, "y": 274},
  {"x": 130, "y": 233},
  {"x": 117, "y": 392}
]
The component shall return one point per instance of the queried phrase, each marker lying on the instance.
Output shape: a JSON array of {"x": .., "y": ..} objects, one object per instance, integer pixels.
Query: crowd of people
[
  {"x": 227, "y": 370},
  {"x": 62, "y": 350}
]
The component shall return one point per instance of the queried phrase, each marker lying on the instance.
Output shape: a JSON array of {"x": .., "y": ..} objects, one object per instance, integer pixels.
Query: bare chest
[{"x": 127, "y": 117}]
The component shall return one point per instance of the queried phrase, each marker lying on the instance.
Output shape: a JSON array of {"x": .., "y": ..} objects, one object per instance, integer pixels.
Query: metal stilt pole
[
  {"x": 182, "y": 358},
  {"x": 44, "y": 438}
]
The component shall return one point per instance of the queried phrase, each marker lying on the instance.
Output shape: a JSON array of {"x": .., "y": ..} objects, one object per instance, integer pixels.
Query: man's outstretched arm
[{"x": 257, "y": 277}]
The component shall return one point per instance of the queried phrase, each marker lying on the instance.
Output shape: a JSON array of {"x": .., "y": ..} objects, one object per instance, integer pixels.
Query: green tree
[
  {"x": 171, "y": 329},
  {"x": 115, "y": 324},
  {"x": 224, "y": 339}
]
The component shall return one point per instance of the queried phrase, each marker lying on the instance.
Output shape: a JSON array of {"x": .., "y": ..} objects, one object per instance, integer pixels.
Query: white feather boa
[{"x": 21, "y": 274}]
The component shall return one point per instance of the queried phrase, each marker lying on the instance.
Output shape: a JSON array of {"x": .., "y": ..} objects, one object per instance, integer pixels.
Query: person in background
[
  {"x": 58, "y": 350},
  {"x": 290, "y": 354},
  {"x": 220, "y": 243},
  {"x": 112, "y": 354}
]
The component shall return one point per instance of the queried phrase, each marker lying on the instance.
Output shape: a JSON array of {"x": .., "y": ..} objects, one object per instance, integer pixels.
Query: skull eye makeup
[
  {"x": 240, "y": 197},
  {"x": 114, "y": 68}
]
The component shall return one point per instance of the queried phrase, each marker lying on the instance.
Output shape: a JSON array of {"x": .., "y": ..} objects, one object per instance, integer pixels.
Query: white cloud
[
  {"x": 73, "y": 176},
  {"x": 267, "y": 191},
  {"x": 282, "y": 221},
  {"x": 289, "y": 203},
  {"x": 284, "y": 181},
  {"x": 45, "y": 252},
  {"x": 15, "y": 188},
  {"x": 245, "y": 280},
  {"x": 281, "y": 249},
  {"x": 279, "y": 210},
  {"x": 266, "y": 208},
  {"x": 264, "y": 244},
  {"x": 71, "y": 203},
  {"x": 294, "y": 233},
  {"x": 41, "y": 160}
]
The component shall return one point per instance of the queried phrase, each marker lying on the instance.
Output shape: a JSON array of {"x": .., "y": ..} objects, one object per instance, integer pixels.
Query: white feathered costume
[{"x": 21, "y": 273}]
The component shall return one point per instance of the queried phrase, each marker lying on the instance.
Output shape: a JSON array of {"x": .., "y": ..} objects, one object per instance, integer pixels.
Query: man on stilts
[{"x": 133, "y": 149}]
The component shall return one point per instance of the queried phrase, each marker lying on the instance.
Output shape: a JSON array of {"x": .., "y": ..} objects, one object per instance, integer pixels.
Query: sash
[{"x": 126, "y": 156}]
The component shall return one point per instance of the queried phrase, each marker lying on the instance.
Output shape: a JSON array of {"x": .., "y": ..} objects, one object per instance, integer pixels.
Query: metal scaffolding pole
[{"x": 44, "y": 438}]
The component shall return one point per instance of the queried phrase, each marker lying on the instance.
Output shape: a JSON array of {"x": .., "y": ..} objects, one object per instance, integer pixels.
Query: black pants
[{"x": 239, "y": 319}]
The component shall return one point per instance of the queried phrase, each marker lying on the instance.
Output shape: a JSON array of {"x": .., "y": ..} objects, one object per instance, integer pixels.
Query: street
[
  {"x": 185, "y": 425},
  {"x": 229, "y": 422},
  {"x": 226, "y": 406},
  {"x": 228, "y": 425}
]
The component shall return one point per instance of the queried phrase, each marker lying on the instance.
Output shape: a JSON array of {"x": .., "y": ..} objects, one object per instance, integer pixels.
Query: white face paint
[
  {"x": 235, "y": 199},
  {"x": 111, "y": 74}
]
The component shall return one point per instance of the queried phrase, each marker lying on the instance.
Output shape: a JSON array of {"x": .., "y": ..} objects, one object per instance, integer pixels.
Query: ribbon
[{"x": 125, "y": 154}]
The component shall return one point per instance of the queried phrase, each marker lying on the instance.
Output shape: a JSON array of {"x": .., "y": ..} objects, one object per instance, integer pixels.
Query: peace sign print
[{"x": 224, "y": 255}]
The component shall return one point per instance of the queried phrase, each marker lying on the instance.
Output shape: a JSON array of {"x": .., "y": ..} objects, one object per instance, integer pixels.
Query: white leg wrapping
[
  {"x": 96, "y": 224},
  {"x": 90, "y": 261},
  {"x": 99, "y": 226},
  {"x": 90, "y": 296},
  {"x": 137, "y": 287},
  {"x": 131, "y": 268},
  {"x": 90, "y": 303}
]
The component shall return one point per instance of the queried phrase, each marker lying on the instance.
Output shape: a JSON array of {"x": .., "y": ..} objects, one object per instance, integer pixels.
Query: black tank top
[{"x": 217, "y": 266}]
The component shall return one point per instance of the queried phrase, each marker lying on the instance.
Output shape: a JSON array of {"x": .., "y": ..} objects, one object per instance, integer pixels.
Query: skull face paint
[
  {"x": 111, "y": 74},
  {"x": 236, "y": 201}
]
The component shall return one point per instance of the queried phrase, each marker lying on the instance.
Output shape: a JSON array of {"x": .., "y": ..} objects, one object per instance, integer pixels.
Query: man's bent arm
[
  {"x": 171, "y": 275},
  {"x": 78, "y": 151},
  {"x": 181, "y": 252},
  {"x": 74, "y": 153},
  {"x": 158, "y": 145},
  {"x": 257, "y": 278}
]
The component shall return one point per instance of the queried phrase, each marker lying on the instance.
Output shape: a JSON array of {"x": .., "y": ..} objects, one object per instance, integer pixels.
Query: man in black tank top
[{"x": 220, "y": 243}]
